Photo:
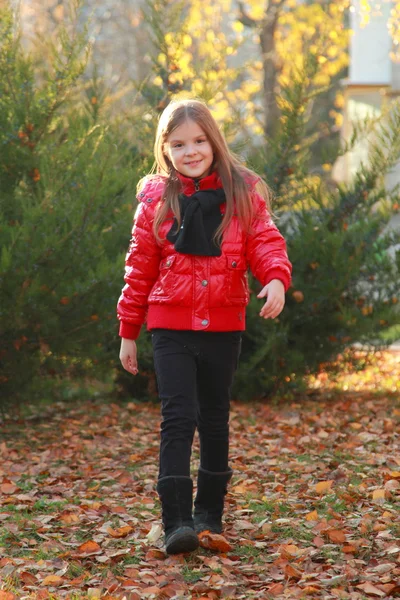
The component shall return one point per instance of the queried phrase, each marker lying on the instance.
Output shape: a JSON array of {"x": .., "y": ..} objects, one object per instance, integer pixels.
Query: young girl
[{"x": 202, "y": 220}]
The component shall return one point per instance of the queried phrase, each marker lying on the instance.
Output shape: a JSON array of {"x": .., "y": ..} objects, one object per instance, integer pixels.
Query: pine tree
[
  {"x": 345, "y": 264},
  {"x": 66, "y": 184}
]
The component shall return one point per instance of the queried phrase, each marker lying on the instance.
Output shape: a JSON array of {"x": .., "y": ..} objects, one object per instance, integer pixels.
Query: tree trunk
[{"x": 270, "y": 68}]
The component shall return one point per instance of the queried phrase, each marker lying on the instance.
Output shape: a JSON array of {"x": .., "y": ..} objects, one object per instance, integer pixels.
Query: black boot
[
  {"x": 176, "y": 495},
  {"x": 209, "y": 501}
]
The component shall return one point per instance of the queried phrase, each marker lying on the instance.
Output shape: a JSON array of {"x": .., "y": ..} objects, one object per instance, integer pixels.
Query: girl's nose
[{"x": 190, "y": 150}]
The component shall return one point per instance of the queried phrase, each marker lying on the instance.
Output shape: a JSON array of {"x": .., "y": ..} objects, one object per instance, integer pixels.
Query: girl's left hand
[{"x": 274, "y": 291}]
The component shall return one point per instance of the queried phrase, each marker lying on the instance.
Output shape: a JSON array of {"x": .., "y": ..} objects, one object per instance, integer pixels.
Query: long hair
[{"x": 235, "y": 177}]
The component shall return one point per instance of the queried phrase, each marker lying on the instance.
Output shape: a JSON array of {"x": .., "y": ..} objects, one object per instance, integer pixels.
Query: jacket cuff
[
  {"x": 130, "y": 331},
  {"x": 278, "y": 274}
]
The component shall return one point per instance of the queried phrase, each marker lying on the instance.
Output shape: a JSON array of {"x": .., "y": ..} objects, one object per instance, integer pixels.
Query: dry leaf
[
  {"x": 323, "y": 486},
  {"x": 8, "y": 488},
  {"x": 276, "y": 589},
  {"x": 155, "y": 533},
  {"x": 89, "y": 547},
  {"x": 120, "y": 532},
  {"x": 69, "y": 517},
  {"x": 52, "y": 580},
  {"x": 241, "y": 524},
  {"x": 312, "y": 516},
  {"x": 214, "y": 541},
  {"x": 370, "y": 589},
  {"x": 292, "y": 572},
  {"x": 337, "y": 536},
  {"x": 378, "y": 496},
  {"x": 7, "y": 595},
  {"x": 290, "y": 551}
]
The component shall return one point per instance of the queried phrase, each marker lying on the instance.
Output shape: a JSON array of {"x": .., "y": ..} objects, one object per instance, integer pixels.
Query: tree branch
[{"x": 244, "y": 17}]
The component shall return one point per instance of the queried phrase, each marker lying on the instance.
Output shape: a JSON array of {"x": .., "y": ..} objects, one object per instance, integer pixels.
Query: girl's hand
[
  {"x": 128, "y": 355},
  {"x": 274, "y": 291}
]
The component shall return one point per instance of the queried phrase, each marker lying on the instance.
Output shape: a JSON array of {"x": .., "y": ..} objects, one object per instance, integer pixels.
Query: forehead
[{"x": 186, "y": 131}]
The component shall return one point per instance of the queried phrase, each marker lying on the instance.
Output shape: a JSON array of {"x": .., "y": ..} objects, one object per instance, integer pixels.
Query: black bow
[{"x": 200, "y": 218}]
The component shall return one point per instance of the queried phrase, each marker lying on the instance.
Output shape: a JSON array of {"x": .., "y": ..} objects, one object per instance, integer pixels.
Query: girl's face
[{"x": 189, "y": 150}]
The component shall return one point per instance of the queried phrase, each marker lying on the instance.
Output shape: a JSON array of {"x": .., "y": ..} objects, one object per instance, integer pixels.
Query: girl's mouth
[{"x": 193, "y": 163}]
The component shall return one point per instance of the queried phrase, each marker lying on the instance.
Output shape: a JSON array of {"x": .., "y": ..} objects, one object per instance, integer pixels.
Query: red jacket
[{"x": 205, "y": 293}]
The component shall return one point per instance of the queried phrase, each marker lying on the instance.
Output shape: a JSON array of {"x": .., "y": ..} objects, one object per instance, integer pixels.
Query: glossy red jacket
[{"x": 181, "y": 291}]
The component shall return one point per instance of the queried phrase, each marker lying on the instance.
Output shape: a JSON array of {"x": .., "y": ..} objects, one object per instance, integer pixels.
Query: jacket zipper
[{"x": 196, "y": 185}]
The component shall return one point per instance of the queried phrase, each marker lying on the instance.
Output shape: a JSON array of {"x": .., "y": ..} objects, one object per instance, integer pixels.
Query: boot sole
[{"x": 183, "y": 539}]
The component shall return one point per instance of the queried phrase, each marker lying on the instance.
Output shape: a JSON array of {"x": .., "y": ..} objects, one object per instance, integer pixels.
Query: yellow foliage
[
  {"x": 237, "y": 26},
  {"x": 186, "y": 41}
]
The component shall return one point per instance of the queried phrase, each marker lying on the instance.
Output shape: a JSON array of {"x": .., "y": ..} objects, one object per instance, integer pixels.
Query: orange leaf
[
  {"x": 120, "y": 532},
  {"x": 89, "y": 547},
  {"x": 155, "y": 554},
  {"x": 276, "y": 589},
  {"x": 323, "y": 486},
  {"x": 349, "y": 549},
  {"x": 69, "y": 518},
  {"x": 378, "y": 495},
  {"x": 214, "y": 541},
  {"x": 7, "y": 595},
  {"x": 52, "y": 580},
  {"x": 290, "y": 550},
  {"x": 370, "y": 589},
  {"x": 8, "y": 488},
  {"x": 292, "y": 572},
  {"x": 312, "y": 516},
  {"x": 337, "y": 536},
  {"x": 318, "y": 541}
]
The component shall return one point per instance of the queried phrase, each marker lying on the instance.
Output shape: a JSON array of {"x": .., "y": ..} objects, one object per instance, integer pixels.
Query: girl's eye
[{"x": 200, "y": 141}]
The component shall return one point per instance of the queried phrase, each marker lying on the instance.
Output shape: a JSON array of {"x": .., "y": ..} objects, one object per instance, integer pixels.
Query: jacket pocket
[
  {"x": 164, "y": 285},
  {"x": 237, "y": 277}
]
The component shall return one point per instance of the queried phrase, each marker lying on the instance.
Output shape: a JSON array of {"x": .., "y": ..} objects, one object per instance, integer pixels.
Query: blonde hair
[{"x": 235, "y": 177}]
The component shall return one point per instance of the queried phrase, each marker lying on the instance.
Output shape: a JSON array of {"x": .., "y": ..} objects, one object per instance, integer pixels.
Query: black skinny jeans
[{"x": 194, "y": 372}]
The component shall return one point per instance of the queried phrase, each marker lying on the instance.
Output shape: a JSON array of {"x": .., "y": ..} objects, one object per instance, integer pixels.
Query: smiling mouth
[{"x": 193, "y": 163}]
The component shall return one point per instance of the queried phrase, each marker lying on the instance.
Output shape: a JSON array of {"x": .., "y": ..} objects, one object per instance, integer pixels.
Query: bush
[
  {"x": 67, "y": 179},
  {"x": 345, "y": 265}
]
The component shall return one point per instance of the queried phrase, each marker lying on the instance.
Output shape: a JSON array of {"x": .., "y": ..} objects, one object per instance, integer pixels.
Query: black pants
[{"x": 194, "y": 374}]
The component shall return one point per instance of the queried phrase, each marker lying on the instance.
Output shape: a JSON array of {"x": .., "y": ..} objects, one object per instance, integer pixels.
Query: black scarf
[{"x": 200, "y": 218}]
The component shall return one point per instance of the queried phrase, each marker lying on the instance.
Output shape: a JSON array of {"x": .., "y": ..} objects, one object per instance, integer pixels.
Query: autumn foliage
[
  {"x": 311, "y": 511},
  {"x": 69, "y": 168}
]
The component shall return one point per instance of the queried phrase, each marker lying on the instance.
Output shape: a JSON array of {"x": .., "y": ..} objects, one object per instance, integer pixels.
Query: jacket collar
[{"x": 190, "y": 186}]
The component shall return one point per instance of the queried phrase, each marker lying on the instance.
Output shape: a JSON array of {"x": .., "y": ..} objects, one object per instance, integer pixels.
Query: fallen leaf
[
  {"x": 368, "y": 588},
  {"x": 290, "y": 550},
  {"x": 292, "y": 572},
  {"x": 155, "y": 533},
  {"x": 378, "y": 495},
  {"x": 323, "y": 486},
  {"x": 312, "y": 516},
  {"x": 241, "y": 524},
  {"x": 337, "y": 536},
  {"x": 52, "y": 580},
  {"x": 89, "y": 547},
  {"x": 8, "y": 488},
  {"x": 120, "y": 532},
  {"x": 276, "y": 589},
  {"x": 7, "y": 595},
  {"x": 155, "y": 554},
  {"x": 69, "y": 517},
  {"x": 214, "y": 541}
]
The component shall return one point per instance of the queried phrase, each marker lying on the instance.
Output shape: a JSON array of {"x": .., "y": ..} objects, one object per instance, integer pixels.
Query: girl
[{"x": 201, "y": 221}]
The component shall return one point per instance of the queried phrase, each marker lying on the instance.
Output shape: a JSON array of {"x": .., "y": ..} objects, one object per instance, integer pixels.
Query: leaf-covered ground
[{"x": 312, "y": 511}]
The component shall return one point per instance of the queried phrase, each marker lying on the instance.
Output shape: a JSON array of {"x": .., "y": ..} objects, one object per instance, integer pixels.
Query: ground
[{"x": 312, "y": 509}]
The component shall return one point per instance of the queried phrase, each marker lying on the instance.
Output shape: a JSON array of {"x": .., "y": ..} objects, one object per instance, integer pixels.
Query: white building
[{"x": 373, "y": 82}]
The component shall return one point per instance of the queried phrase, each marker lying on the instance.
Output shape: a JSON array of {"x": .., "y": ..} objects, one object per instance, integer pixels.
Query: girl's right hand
[{"x": 128, "y": 355}]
